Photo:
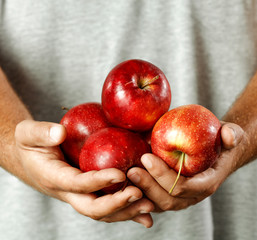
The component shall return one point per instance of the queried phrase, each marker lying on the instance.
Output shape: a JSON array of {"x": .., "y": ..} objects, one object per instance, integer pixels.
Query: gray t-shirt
[{"x": 58, "y": 53}]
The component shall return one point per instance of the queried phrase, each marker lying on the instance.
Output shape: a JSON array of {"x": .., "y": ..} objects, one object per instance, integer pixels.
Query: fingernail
[
  {"x": 135, "y": 178},
  {"x": 147, "y": 161},
  {"x": 234, "y": 135},
  {"x": 117, "y": 180},
  {"x": 146, "y": 223},
  {"x": 55, "y": 133},
  {"x": 133, "y": 199},
  {"x": 143, "y": 212}
]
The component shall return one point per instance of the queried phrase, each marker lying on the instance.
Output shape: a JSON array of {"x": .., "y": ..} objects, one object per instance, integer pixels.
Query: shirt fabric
[{"x": 58, "y": 53}]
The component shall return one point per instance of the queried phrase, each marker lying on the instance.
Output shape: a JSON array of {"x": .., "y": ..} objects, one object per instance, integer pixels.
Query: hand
[
  {"x": 37, "y": 148},
  {"x": 158, "y": 178}
]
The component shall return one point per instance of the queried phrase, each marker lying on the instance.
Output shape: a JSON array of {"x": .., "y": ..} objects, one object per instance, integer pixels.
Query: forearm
[
  {"x": 244, "y": 113},
  {"x": 12, "y": 111}
]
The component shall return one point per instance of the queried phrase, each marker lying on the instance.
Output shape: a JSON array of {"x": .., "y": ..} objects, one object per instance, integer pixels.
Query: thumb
[
  {"x": 39, "y": 134},
  {"x": 231, "y": 135}
]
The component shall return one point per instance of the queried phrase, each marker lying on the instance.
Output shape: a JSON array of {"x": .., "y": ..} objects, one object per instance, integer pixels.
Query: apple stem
[
  {"x": 65, "y": 108},
  {"x": 181, "y": 159},
  {"x": 149, "y": 82}
]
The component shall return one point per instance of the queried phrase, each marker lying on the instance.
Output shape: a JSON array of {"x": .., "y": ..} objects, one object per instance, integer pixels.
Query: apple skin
[
  {"x": 80, "y": 122},
  {"x": 147, "y": 136},
  {"x": 190, "y": 129},
  {"x": 135, "y": 95},
  {"x": 112, "y": 148}
]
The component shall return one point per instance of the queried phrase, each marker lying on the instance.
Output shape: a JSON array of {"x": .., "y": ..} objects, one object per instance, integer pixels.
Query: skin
[
  {"x": 239, "y": 131},
  {"x": 30, "y": 150}
]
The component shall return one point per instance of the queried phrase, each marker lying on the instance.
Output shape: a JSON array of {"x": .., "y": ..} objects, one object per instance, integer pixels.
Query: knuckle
[
  {"x": 106, "y": 220},
  {"x": 92, "y": 183},
  {"x": 178, "y": 191},
  {"x": 195, "y": 201},
  {"x": 18, "y": 129},
  {"x": 158, "y": 173},
  {"x": 53, "y": 182},
  {"x": 47, "y": 185},
  {"x": 185, "y": 204},
  {"x": 167, "y": 205},
  {"x": 147, "y": 187},
  {"x": 109, "y": 219},
  {"x": 41, "y": 127},
  {"x": 143, "y": 180},
  {"x": 69, "y": 183},
  {"x": 93, "y": 176},
  {"x": 147, "y": 205},
  {"x": 181, "y": 207},
  {"x": 96, "y": 216},
  {"x": 212, "y": 189}
]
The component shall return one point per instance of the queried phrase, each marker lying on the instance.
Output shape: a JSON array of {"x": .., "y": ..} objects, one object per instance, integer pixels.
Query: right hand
[
  {"x": 157, "y": 178},
  {"x": 37, "y": 148}
]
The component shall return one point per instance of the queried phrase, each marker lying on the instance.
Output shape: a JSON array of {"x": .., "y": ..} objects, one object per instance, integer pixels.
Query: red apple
[
  {"x": 112, "y": 148},
  {"x": 135, "y": 95},
  {"x": 188, "y": 139},
  {"x": 80, "y": 122},
  {"x": 147, "y": 136}
]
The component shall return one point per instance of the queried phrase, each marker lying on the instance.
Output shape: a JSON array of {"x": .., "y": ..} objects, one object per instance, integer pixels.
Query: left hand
[
  {"x": 41, "y": 160},
  {"x": 157, "y": 179}
]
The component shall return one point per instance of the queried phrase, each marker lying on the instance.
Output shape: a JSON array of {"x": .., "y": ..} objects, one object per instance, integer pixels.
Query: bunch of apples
[{"x": 132, "y": 119}]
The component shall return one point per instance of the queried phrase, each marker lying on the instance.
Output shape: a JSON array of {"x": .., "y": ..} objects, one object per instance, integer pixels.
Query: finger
[
  {"x": 195, "y": 188},
  {"x": 201, "y": 185},
  {"x": 165, "y": 177},
  {"x": 59, "y": 175},
  {"x": 98, "y": 208},
  {"x": 91, "y": 181},
  {"x": 186, "y": 187},
  {"x": 38, "y": 134},
  {"x": 160, "y": 171},
  {"x": 142, "y": 206},
  {"x": 231, "y": 135},
  {"x": 161, "y": 198},
  {"x": 144, "y": 219}
]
